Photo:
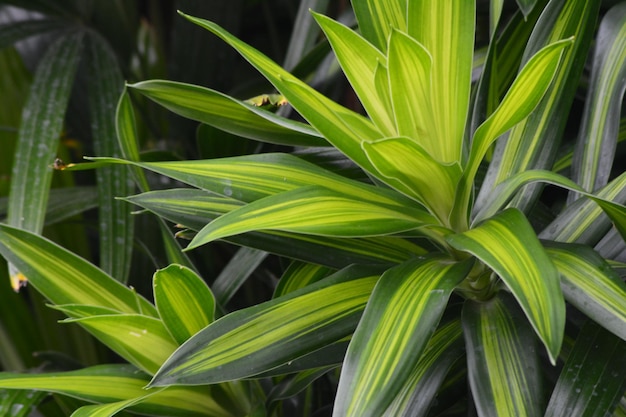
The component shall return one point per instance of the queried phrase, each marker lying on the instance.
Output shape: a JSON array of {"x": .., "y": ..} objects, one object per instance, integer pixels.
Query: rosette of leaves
[{"x": 441, "y": 275}]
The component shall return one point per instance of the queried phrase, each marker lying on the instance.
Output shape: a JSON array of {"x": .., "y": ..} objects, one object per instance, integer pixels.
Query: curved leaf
[
  {"x": 377, "y": 18},
  {"x": 402, "y": 314},
  {"x": 504, "y": 371},
  {"x": 508, "y": 245},
  {"x": 317, "y": 211},
  {"x": 259, "y": 338},
  {"x": 184, "y": 301}
]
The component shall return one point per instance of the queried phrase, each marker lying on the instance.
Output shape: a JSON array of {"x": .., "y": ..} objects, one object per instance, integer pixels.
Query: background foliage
[{"x": 499, "y": 267}]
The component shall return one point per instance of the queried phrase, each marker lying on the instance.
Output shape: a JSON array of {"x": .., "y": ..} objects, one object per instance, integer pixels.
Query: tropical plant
[{"x": 432, "y": 270}]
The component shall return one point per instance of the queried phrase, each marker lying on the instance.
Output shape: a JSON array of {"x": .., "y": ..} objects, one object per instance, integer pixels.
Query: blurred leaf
[
  {"x": 226, "y": 113},
  {"x": 318, "y": 211},
  {"x": 378, "y": 361},
  {"x": 504, "y": 371},
  {"x": 305, "y": 32},
  {"x": 13, "y": 32},
  {"x": 509, "y": 246},
  {"x": 236, "y": 272},
  {"x": 114, "y": 218},
  {"x": 65, "y": 278},
  {"x": 19, "y": 403},
  {"x": 271, "y": 333},
  {"x": 595, "y": 148},
  {"x": 184, "y": 301},
  {"x": 590, "y": 284},
  {"x": 591, "y": 382},
  {"x": 111, "y": 383}
]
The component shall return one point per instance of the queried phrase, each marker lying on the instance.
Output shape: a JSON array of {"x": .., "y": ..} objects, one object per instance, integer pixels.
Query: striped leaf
[
  {"x": 591, "y": 382},
  {"x": 299, "y": 275},
  {"x": 184, "y": 301},
  {"x": 377, "y": 18},
  {"x": 143, "y": 341},
  {"x": 115, "y": 222},
  {"x": 597, "y": 138},
  {"x": 317, "y": 211},
  {"x": 396, "y": 160},
  {"x": 343, "y": 128},
  {"x": 401, "y": 316},
  {"x": 504, "y": 371},
  {"x": 446, "y": 31},
  {"x": 38, "y": 138},
  {"x": 508, "y": 245},
  {"x": 226, "y": 113},
  {"x": 590, "y": 284},
  {"x": 443, "y": 350},
  {"x": 194, "y": 208},
  {"x": 65, "y": 278},
  {"x": 262, "y": 337},
  {"x": 112, "y": 383}
]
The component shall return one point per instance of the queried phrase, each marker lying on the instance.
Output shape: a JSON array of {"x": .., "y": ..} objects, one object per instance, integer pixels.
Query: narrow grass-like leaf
[
  {"x": 228, "y": 114},
  {"x": 41, "y": 125},
  {"x": 126, "y": 128},
  {"x": 444, "y": 348},
  {"x": 410, "y": 80},
  {"x": 195, "y": 208},
  {"x": 115, "y": 223},
  {"x": 65, "y": 278},
  {"x": 359, "y": 60},
  {"x": 317, "y": 211},
  {"x": 597, "y": 138},
  {"x": 508, "y": 245},
  {"x": 592, "y": 381},
  {"x": 67, "y": 202},
  {"x": 236, "y": 272},
  {"x": 504, "y": 371},
  {"x": 259, "y": 338},
  {"x": 143, "y": 341},
  {"x": 446, "y": 31},
  {"x": 378, "y": 18},
  {"x": 111, "y": 383},
  {"x": 407, "y": 167},
  {"x": 342, "y": 127},
  {"x": 299, "y": 275},
  {"x": 590, "y": 284},
  {"x": 184, "y": 301},
  {"x": 388, "y": 342},
  {"x": 19, "y": 403}
]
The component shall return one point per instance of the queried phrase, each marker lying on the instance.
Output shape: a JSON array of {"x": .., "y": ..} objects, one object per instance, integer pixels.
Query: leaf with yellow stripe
[
  {"x": 378, "y": 17},
  {"x": 318, "y": 211},
  {"x": 259, "y": 338},
  {"x": 113, "y": 383},
  {"x": 400, "y": 318},
  {"x": 184, "y": 301},
  {"x": 503, "y": 365},
  {"x": 589, "y": 283},
  {"x": 508, "y": 245},
  {"x": 65, "y": 278}
]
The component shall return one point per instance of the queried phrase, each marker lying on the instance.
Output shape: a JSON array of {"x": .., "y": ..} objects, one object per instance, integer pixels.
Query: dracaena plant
[{"x": 427, "y": 279}]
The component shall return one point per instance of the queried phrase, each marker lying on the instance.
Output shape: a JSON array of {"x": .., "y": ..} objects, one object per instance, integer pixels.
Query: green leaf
[
  {"x": 299, "y": 275},
  {"x": 19, "y": 403},
  {"x": 115, "y": 223},
  {"x": 508, "y": 245},
  {"x": 317, "y": 211},
  {"x": 343, "y": 128},
  {"x": 236, "y": 272},
  {"x": 194, "y": 208},
  {"x": 597, "y": 138},
  {"x": 272, "y": 333},
  {"x": 591, "y": 382},
  {"x": 590, "y": 284},
  {"x": 14, "y": 31},
  {"x": 112, "y": 383},
  {"x": 400, "y": 317},
  {"x": 65, "y": 278},
  {"x": 141, "y": 340},
  {"x": 42, "y": 121},
  {"x": 398, "y": 159},
  {"x": 184, "y": 301},
  {"x": 226, "y": 113},
  {"x": 359, "y": 61},
  {"x": 504, "y": 371},
  {"x": 377, "y": 18},
  {"x": 446, "y": 31},
  {"x": 443, "y": 350}
]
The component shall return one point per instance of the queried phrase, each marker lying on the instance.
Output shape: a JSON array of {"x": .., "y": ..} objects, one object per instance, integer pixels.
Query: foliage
[{"x": 452, "y": 245}]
